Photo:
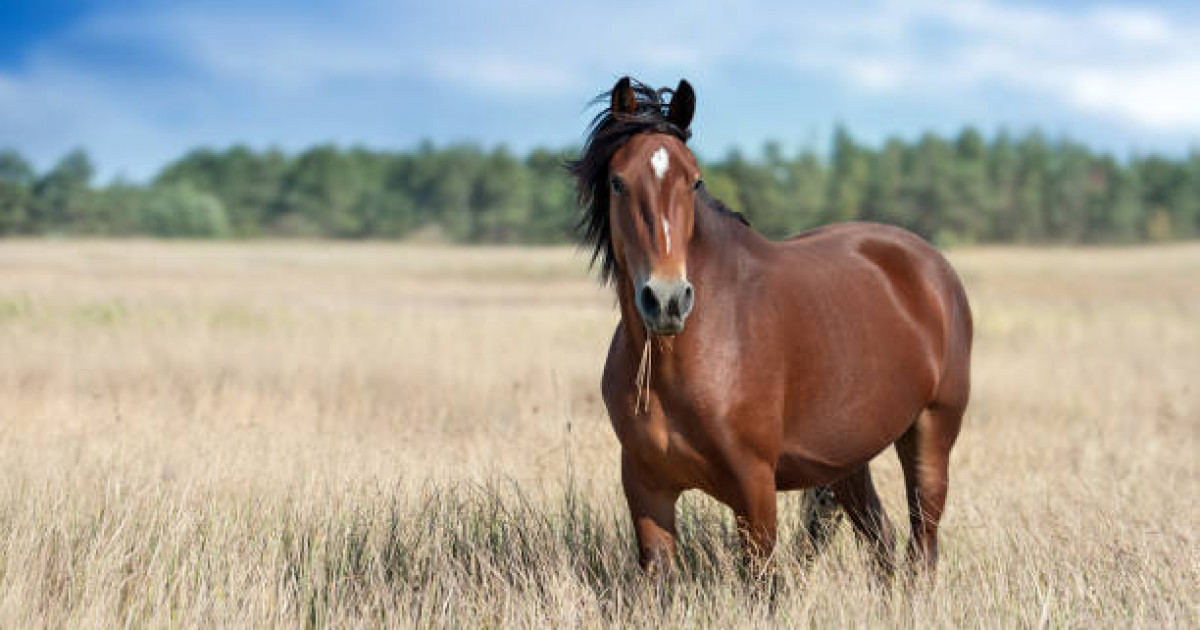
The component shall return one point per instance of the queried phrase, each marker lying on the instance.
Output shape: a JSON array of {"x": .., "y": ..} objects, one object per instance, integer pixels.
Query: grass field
[{"x": 291, "y": 435}]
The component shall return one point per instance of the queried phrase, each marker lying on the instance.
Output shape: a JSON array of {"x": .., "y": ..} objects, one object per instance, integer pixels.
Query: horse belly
[
  {"x": 831, "y": 436},
  {"x": 823, "y": 458},
  {"x": 845, "y": 407}
]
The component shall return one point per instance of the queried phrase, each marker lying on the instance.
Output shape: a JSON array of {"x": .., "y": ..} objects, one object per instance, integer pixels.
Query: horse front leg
[
  {"x": 652, "y": 507},
  {"x": 755, "y": 509}
]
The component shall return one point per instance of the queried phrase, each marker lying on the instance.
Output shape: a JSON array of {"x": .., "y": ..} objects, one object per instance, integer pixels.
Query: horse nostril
[
  {"x": 649, "y": 301},
  {"x": 673, "y": 307}
]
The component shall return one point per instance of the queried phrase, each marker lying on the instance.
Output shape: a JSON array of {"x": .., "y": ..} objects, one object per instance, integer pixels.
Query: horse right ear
[
  {"x": 624, "y": 101},
  {"x": 683, "y": 105}
]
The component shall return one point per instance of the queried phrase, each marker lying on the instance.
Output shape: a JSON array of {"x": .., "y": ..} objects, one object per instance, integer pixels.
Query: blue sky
[{"x": 137, "y": 83}]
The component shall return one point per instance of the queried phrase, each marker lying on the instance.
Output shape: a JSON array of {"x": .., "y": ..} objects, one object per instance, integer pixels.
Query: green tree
[
  {"x": 759, "y": 195},
  {"x": 965, "y": 217},
  {"x": 61, "y": 197},
  {"x": 552, "y": 198},
  {"x": 445, "y": 186},
  {"x": 1066, "y": 209},
  {"x": 247, "y": 183},
  {"x": 850, "y": 168},
  {"x": 722, "y": 185},
  {"x": 179, "y": 210},
  {"x": 1003, "y": 172},
  {"x": 1169, "y": 197},
  {"x": 1033, "y": 153},
  {"x": 888, "y": 197},
  {"x": 500, "y": 200},
  {"x": 1126, "y": 204},
  {"x": 1189, "y": 201},
  {"x": 806, "y": 188},
  {"x": 119, "y": 209},
  {"x": 320, "y": 195},
  {"x": 16, "y": 180},
  {"x": 386, "y": 208},
  {"x": 958, "y": 189},
  {"x": 931, "y": 188}
]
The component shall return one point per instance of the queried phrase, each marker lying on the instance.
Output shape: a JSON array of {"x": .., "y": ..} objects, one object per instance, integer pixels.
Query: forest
[{"x": 1025, "y": 188}]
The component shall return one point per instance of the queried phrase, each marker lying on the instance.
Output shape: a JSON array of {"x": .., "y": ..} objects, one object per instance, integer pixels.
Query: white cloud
[
  {"x": 229, "y": 72},
  {"x": 1132, "y": 66},
  {"x": 1138, "y": 26},
  {"x": 507, "y": 75},
  {"x": 877, "y": 74},
  {"x": 1165, "y": 99}
]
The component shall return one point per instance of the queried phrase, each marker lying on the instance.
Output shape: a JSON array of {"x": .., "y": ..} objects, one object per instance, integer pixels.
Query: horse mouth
[{"x": 665, "y": 329}]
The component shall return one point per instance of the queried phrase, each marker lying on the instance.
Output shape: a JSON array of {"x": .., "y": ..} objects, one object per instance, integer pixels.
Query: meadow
[{"x": 304, "y": 434}]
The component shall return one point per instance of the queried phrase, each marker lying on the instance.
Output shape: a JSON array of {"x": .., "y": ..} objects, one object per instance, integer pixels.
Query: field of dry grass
[{"x": 292, "y": 435}]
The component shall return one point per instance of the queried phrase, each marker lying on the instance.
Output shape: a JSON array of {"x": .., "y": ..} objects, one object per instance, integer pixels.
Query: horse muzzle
[{"x": 665, "y": 305}]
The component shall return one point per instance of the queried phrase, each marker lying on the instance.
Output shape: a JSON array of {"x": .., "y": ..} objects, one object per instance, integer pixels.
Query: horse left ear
[
  {"x": 683, "y": 105},
  {"x": 624, "y": 101}
]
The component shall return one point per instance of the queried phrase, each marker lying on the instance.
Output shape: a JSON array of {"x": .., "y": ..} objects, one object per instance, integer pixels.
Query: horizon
[
  {"x": 138, "y": 85},
  {"x": 821, "y": 150}
]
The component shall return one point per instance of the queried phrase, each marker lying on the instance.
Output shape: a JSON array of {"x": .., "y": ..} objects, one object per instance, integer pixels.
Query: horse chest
[{"x": 678, "y": 427}]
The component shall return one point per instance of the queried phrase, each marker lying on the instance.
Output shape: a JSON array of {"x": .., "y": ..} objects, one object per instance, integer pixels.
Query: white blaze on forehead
[
  {"x": 660, "y": 161},
  {"x": 666, "y": 234}
]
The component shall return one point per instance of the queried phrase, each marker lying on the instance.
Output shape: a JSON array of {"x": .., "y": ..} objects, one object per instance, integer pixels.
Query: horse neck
[{"x": 717, "y": 252}]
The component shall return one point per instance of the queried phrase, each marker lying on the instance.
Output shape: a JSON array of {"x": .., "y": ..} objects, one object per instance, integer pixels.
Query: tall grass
[{"x": 356, "y": 436}]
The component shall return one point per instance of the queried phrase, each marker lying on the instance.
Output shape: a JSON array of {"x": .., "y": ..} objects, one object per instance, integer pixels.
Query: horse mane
[{"x": 607, "y": 133}]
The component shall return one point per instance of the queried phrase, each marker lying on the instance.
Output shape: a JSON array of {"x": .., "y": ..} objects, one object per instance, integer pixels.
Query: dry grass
[{"x": 310, "y": 435}]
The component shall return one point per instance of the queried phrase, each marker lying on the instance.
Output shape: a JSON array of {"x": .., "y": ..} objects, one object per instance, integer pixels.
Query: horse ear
[
  {"x": 683, "y": 105},
  {"x": 623, "y": 99}
]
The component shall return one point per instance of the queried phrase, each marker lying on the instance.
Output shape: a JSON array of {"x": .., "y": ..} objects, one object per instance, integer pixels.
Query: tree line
[{"x": 964, "y": 189}]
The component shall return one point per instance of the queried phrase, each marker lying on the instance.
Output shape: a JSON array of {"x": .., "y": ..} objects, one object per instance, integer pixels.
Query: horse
[{"x": 742, "y": 366}]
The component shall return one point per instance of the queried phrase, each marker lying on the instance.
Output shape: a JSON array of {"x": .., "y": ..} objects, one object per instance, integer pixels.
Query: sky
[{"x": 139, "y": 82}]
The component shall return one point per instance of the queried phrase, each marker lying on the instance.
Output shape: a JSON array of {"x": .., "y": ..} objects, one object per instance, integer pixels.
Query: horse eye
[
  {"x": 698, "y": 184},
  {"x": 618, "y": 186}
]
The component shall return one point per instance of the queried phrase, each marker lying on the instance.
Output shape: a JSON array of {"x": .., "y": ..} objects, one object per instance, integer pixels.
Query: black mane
[{"x": 607, "y": 133}]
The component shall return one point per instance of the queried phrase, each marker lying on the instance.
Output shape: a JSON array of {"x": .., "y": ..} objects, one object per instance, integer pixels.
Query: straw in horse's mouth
[{"x": 642, "y": 381}]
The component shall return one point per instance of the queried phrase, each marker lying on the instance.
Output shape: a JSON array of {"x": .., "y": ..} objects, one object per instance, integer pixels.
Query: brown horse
[{"x": 742, "y": 367}]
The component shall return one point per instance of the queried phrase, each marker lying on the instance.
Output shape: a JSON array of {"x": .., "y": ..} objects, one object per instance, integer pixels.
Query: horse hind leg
[
  {"x": 924, "y": 452},
  {"x": 856, "y": 493},
  {"x": 821, "y": 517}
]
